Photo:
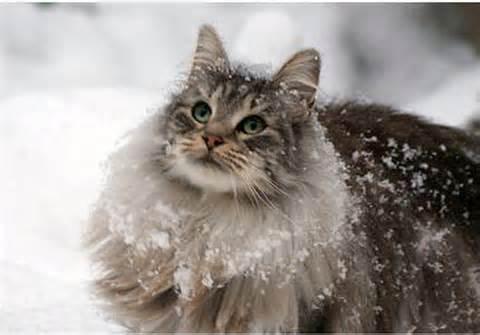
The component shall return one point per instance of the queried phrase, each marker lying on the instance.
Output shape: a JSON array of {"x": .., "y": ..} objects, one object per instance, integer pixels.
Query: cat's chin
[{"x": 206, "y": 174}]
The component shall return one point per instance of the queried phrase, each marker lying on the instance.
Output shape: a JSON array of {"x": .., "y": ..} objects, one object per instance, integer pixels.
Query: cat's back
[
  {"x": 351, "y": 124},
  {"x": 436, "y": 164},
  {"x": 419, "y": 190}
]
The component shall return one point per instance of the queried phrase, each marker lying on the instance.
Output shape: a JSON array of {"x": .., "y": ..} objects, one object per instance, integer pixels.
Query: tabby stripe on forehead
[
  {"x": 216, "y": 97},
  {"x": 248, "y": 101},
  {"x": 228, "y": 89},
  {"x": 203, "y": 91}
]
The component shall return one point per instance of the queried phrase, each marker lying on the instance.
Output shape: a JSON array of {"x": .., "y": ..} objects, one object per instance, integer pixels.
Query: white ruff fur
[
  {"x": 204, "y": 177},
  {"x": 233, "y": 266}
]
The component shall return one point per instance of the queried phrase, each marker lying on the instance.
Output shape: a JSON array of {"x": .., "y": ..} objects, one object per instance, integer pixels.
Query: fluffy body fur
[{"x": 340, "y": 217}]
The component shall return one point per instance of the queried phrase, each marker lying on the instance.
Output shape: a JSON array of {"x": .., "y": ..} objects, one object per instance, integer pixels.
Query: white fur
[
  {"x": 266, "y": 258},
  {"x": 204, "y": 177}
]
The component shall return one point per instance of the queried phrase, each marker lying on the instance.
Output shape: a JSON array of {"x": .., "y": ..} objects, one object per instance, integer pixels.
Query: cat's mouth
[
  {"x": 207, "y": 159},
  {"x": 210, "y": 161},
  {"x": 206, "y": 171}
]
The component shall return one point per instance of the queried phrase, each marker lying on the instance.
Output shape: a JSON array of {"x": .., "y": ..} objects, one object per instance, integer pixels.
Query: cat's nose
[{"x": 213, "y": 141}]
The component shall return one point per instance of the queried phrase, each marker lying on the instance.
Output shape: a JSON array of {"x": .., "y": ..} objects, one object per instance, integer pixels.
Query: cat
[{"x": 246, "y": 205}]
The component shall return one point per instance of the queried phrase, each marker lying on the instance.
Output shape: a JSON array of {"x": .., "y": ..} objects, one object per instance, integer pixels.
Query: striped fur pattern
[
  {"x": 338, "y": 217},
  {"x": 245, "y": 240}
]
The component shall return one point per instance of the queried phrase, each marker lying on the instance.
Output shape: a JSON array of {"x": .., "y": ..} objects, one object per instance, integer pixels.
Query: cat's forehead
[{"x": 234, "y": 88}]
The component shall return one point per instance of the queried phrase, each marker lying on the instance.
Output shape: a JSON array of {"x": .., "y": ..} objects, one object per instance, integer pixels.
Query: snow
[
  {"x": 75, "y": 78},
  {"x": 49, "y": 176},
  {"x": 184, "y": 281},
  {"x": 161, "y": 239}
]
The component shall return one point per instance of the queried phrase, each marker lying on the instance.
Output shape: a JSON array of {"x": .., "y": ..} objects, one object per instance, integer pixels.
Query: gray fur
[
  {"x": 285, "y": 230},
  {"x": 244, "y": 234}
]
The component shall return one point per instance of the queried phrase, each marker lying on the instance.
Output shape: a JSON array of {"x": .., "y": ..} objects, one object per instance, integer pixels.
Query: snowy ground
[{"x": 74, "y": 78}]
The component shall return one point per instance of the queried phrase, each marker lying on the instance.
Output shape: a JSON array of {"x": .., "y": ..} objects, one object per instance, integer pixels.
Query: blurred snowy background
[{"x": 75, "y": 77}]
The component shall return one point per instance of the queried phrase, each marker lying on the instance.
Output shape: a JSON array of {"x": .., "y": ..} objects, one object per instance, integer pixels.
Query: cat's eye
[
  {"x": 201, "y": 112},
  {"x": 252, "y": 125}
]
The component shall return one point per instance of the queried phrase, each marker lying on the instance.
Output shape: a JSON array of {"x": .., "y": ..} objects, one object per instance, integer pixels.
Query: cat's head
[{"x": 234, "y": 131}]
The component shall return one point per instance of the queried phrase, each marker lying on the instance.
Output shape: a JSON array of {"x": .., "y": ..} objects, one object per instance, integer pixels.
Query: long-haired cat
[{"x": 246, "y": 206}]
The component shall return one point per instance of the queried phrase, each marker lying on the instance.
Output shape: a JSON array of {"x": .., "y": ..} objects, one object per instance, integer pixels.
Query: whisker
[
  {"x": 231, "y": 160},
  {"x": 235, "y": 195},
  {"x": 275, "y": 186},
  {"x": 237, "y": 155},
  {"x": 188, "y": 144},
  {"x": 250, "y": 194},
  {"x": 267, "y": 201},
  {"x": 256, "y": 191}
]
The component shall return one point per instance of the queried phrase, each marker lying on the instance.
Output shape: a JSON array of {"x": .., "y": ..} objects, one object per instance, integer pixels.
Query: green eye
[
  {"x": 201, "y": 112},
  {"x": 252, "y": 125}
]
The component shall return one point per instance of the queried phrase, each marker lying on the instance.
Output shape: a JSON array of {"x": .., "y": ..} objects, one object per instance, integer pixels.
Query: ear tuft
[
  {"x": 300, "y": 74},
  {"x": 209, "y": 54}
]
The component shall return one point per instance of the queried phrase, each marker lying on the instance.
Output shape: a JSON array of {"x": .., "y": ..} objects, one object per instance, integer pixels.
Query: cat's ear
[
  {"x": 300, "y": 74},
  {"x": 209, "y": 54}
]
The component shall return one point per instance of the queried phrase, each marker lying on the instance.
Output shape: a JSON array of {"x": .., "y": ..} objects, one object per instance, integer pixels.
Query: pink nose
[{"x": 213, "y": 141}]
